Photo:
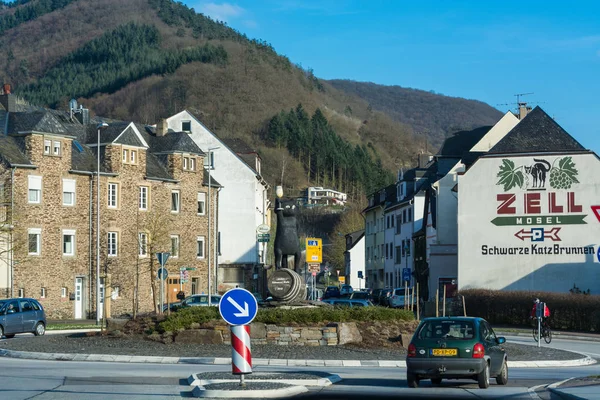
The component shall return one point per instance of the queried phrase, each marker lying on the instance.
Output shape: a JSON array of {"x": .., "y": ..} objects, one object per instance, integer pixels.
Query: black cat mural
[{"x": 538, "y": 172}]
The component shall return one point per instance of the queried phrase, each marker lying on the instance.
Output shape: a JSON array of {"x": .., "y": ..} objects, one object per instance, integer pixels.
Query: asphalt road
[{"x": 43, "y": 380}]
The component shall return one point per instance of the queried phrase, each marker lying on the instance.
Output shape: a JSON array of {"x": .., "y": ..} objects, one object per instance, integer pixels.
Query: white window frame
[
  {"x": 69, "y": 233},
  {"x": 35, "y": 188},
  {"x": 175, "y": 244},
  {"x": 192, "y": 164},
  {"x": 201, "y": 199},
  {"x": 47, "y": 146},
  {"x": 63, "y": 292},
  {"x": 69, "y": 186},
  {"x": 185, "y": 163},
  {"x": 113, "y": 195},
  {"x": 142, "y": 244},
  {"x": 38, "y": 233},
  {"x": 21, "y": 293},
  {"x": 112, "y": 244},
  {"x": 56, "y": 148},
  {"x": 175, "y": 205},
  {"x": 143, "y": 200},
  {"x": 200, "y": 239},
  {"x": 125, "y": 155},
  {"x": 43, "y": 293}
]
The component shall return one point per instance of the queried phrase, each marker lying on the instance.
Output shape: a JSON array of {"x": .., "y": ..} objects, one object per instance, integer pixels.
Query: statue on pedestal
[{"x": 286, "y": 284}]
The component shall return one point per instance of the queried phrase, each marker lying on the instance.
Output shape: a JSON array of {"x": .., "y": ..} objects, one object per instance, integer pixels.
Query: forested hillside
[
  {"x": 427, "y": 112},
  {"x": 147, "y": 59}
]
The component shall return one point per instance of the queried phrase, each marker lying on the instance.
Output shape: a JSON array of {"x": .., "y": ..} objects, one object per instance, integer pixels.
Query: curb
[
  {"x": 193, "y": 380},
  {"x": 553, "y": 388},
  {"x": 260, "y": 361},
  {"x": 200, "y": 391},
  {"x": 555, "y": 335}
]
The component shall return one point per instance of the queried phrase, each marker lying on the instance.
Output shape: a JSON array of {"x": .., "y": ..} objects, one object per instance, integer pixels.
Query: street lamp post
[{"x": 100, "y": 126}]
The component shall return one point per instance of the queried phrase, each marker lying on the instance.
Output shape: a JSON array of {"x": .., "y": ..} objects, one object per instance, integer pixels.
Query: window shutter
[
  {"x": 35, "y": 182},
  {"x": 69, "y": 185}
]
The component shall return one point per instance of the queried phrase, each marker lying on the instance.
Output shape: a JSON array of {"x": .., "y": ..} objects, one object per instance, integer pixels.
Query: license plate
[{"x": 443, "y": 352}]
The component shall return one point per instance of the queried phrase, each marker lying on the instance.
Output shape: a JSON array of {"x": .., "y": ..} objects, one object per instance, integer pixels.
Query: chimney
[
  {"x": 162, "y": 127},
  {"x": 83, "y": 115},
  {"x": 8, "y": 100},
  {"x": 523, "y": 110},
  {"x": 423, "y": 160}
]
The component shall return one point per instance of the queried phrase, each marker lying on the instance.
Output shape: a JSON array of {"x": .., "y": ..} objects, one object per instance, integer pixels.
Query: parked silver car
[
  {"x": 21, "y": 315},
  {"x": 195, "y": 300}
]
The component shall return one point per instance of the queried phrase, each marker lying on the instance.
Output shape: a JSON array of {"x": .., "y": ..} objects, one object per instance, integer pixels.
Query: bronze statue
[{"x": 286, "y": 236}]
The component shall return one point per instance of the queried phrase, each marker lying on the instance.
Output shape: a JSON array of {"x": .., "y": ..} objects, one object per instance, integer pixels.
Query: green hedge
[
  {"x": 577, "y": 312},
  {"x": 184, "y": 318}
]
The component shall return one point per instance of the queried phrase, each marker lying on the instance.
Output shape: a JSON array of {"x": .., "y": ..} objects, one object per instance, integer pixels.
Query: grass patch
[{"x": 59, "y": 327}]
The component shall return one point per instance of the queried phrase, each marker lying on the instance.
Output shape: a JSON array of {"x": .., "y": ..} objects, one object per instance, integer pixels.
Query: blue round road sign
[
  {"x": 163, "y": 273},
  {"x": 238, "y": 307},
  {"x": 598, "y": 254}
]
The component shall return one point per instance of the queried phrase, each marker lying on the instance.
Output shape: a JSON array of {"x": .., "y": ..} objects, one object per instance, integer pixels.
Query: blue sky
[{"x": 484, "y": 50}]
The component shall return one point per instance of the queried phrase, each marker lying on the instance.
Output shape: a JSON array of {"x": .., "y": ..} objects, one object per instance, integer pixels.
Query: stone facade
[{"x": 50, "y": 273}]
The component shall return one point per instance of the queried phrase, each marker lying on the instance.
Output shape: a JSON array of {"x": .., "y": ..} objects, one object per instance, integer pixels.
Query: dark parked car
[
  {"x": 456, "y": 348},
  {"x": 384, "y": 297},
  {"x": 21, "y": 315},
  {"x": 346, "y": 302},
  {"x": 375, "y": 296},
  {"x": 331, "y": 291}
]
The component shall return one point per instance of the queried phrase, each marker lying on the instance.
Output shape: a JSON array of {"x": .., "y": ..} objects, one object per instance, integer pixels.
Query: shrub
[
  {"x": 184, "y": 318},
  {"x": 571, "y": 311}
]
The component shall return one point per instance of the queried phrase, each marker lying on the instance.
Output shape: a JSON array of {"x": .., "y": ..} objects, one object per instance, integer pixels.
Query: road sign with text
[{"x": 314, "y": 250}]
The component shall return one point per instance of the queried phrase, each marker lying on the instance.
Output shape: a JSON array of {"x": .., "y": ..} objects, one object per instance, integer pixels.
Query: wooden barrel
[{"x": 286, "y": 285}]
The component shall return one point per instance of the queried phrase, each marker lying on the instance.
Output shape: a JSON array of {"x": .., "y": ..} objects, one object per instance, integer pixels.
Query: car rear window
[{"x": 451, "y": 329}]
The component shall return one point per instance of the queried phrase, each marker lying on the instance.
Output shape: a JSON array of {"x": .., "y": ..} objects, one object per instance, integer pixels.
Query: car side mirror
[{"x": 501, "y": 340}]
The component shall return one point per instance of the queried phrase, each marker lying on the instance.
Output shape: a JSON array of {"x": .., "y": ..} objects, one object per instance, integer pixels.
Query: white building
[
  {"x": 320, "y": 195},
  {"x": 403, "y": 217},
  {"x": 354, "y": 259},
  {"x": 243, "y": 203},
  {"x": 528, "y": 212}
]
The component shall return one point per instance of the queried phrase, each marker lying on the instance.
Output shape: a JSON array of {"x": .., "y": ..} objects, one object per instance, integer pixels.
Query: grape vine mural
[{"x": 561, "y": 174}]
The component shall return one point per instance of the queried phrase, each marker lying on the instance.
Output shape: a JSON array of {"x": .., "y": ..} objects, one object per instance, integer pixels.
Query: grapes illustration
[{"x": 564, "y": 174}]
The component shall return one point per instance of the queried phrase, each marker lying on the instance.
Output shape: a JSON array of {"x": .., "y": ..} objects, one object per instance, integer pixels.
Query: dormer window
[
  {"x": 129, "y": 156},
  {"x": 185, "y": 163},
  {"x": 56, "y": 148},
  {"x": 192, "y": 164},
  {"x": 47, "y": 146}
]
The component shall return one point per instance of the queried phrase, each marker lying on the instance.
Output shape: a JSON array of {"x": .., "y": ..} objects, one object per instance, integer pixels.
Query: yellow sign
[
  {"x": 314, "y": 250},
  {"x": 342, "y": 279}
]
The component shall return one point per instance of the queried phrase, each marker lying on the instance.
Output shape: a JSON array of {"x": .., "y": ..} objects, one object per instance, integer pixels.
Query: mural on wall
[
  {"x": 538, "y": 194},
  {"x": 562, "y": 174}
]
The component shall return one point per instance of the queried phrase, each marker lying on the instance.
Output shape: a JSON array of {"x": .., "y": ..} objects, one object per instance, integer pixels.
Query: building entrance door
[
  {"x": 172, "y": 289},
  {"x": 79, "y": 298}
]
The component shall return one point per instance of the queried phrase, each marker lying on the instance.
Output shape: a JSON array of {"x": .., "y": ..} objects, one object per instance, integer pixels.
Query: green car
[{"x": 456, "y": 348}]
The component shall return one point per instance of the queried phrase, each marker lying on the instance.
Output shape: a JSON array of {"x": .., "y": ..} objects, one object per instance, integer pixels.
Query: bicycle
[{"x": 546, "y": 332}]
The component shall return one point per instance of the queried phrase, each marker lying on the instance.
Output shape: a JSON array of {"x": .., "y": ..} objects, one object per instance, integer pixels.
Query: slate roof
[
  {"x": 11, "y": 151},
  {"x": 461, "y": 142},
  {"x": 213, "y": 182},
  {"x": 36, "y": 121},
  {"x": 536, "y": 133},
  {"x": 354, "y": 238}
]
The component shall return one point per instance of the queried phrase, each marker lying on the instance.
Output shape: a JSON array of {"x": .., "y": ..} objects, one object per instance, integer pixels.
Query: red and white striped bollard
[{"x": 241, "y": 357}]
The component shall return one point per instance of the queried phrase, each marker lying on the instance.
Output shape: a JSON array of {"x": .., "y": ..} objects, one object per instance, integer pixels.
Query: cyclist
[{"x": 546, "y": 312}]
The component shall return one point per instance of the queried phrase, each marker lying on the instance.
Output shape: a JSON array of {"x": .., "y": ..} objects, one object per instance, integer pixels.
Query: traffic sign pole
[{"x": 241, "y": 356}]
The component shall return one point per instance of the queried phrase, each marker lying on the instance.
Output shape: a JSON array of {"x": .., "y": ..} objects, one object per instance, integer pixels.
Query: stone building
[{"x": 153, "y": 193}]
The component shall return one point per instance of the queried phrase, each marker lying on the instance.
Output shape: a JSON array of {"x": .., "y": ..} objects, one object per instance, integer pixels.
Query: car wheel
[
  {"x": 1, "y": 331},
  {"x": 412, "y": 380},
  {"x": 436, "y": 381},
  {"x": 40, "y": 329},
  {"x": 9, "y": 336},
  {"x": 502, "y": 379},
  {"x": 483, "y": 378}
]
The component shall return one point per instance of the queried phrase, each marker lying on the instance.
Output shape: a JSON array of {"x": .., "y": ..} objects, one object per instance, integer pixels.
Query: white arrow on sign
[{"x": 244, "y": 312}]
